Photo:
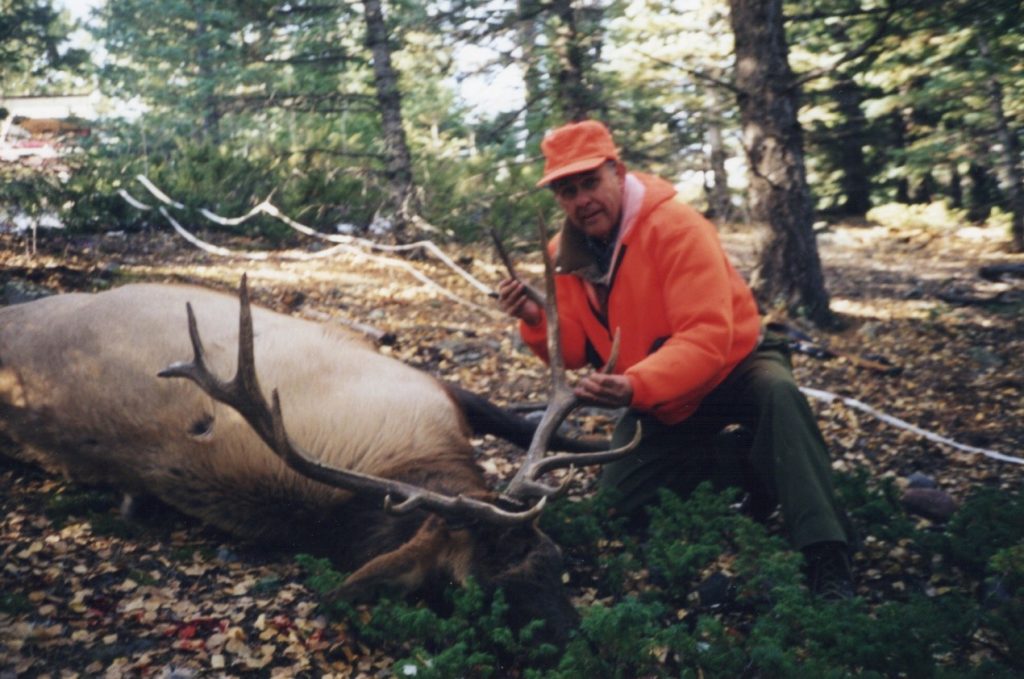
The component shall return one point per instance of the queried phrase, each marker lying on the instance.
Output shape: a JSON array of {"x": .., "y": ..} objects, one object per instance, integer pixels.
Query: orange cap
[{"x": 575, "y": 148}]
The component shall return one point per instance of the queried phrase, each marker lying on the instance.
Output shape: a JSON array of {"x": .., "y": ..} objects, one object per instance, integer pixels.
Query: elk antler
[
  {"x": 244, "y": 395},
  {"x": 531, "y": 292},
  {"x": 561, "y": 402}
]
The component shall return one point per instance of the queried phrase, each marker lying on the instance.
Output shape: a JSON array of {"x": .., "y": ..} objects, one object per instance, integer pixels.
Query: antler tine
[
  {"x": 243, "y": 394},
  {"x": 561, "y": 402},
  {"x": 563, "y": 460},
  {"x": 530, "y": 291}
]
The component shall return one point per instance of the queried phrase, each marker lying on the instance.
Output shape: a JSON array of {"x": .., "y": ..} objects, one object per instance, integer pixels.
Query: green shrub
[
  {"x": 989, "y": 521},
  {"x": 81, "y": 503},
  {"x": 1004, "y": 601},
  {"x": 685, "y": 536},
  {"x": 581, "y": 524},
  {"x": 616, "y": 642},
  {"x": 768, "y": 624},
  {"x": 875, "y": 509},
  {"x": 475, "y": 640}
]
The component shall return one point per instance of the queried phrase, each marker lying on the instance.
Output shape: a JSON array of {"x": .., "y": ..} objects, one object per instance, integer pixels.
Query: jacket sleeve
[
  {"x": 696, "y": 287},
  {"x": 574, "y": 338}
]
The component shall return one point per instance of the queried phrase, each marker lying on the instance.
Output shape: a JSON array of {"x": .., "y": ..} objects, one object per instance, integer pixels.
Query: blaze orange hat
[{"x": 575, "y": 148}]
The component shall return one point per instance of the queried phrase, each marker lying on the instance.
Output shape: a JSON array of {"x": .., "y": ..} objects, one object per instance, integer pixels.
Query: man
[{"x": 692, "y": 362}]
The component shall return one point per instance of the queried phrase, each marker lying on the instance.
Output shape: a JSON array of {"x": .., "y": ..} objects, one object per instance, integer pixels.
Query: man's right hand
[{"x": 513, "y": 300}]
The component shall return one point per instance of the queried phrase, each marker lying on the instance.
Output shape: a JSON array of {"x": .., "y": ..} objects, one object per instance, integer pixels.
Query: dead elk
[{"x": 374, "y": 468}]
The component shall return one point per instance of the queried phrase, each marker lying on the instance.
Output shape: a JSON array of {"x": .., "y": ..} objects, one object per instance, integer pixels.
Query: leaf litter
[{"x": 85, "y": 594}]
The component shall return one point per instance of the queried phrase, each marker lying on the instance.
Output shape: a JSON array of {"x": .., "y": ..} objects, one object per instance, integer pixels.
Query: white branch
[
  {"x": 329, "y": 252},
  {"x": 210, "y": 247},
  {"x": 270, "y": 209},
  {"x": 138, "y": 205},
  {"x": 829, "y": 397},
  {"x": 163, "y": 197}
]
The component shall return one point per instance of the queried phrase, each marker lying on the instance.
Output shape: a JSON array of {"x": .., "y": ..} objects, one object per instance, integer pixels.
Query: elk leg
[
  {"x": 408, "y": 566},
  {"x": 142, "y": 506}
]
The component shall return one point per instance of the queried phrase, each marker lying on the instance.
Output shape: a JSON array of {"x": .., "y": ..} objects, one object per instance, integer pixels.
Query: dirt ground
[{"x": 923, "y": 339}]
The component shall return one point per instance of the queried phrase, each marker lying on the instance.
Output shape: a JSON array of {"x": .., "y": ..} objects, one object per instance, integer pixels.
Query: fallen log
[{"x": 995, "y": 272}]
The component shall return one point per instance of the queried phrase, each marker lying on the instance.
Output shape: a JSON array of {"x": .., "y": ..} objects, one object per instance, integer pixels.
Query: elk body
[{"x": 387, "y": 484}]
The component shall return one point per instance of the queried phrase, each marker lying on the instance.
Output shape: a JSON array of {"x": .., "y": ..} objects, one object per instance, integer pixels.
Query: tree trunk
[
  {"x": 956, "y": 186},
  {"x": 789, "y": 271},
  {"x": 526, "y": 33},
  {"x": 719, "y": 201},
  {"x": 899, "y": 138},
  {"x": 983, "y": 192},
  {"x": 924, "y": 190},
  {"x": 399, "y": 164},
  {"x": 573, "y": 94},
  {"x": 855, "y": 179},
  {"x": 209, "y": 132},
  {"x": 1011, "y": 151}
]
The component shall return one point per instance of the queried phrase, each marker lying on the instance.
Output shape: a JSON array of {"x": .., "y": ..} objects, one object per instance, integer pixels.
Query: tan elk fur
[
  {"x": 79, "y": 386},
  {"x": 80, "y": 393}
]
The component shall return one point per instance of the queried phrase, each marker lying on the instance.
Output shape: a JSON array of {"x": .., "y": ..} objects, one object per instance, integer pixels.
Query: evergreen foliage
[
  {"x": 279, "y": 98},
  {"x": 764, "y": 622},
  {"x": 34, "y": 50}
]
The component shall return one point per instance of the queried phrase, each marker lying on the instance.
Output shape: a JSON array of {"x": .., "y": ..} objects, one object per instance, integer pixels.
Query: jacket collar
[{"x": 575, "y": 257}]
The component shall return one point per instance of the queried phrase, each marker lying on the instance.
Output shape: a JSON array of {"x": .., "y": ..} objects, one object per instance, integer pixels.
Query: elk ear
[{"x": 432, "y": 548}]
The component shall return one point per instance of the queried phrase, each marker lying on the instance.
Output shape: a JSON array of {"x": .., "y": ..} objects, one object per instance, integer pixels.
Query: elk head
[{"x": 436, "y": 521}]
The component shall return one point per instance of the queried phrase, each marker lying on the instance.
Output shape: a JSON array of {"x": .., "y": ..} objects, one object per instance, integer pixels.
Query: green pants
[{"x": 777, "y": 453}]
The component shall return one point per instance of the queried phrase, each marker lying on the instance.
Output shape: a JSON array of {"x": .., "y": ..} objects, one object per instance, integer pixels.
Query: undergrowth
[{"x": 703, "y": 591}]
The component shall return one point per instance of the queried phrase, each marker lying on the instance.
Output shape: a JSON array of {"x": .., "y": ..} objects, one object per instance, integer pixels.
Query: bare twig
[
  {"x": 531, "y": 292},
  {"x": 880, "y": 30}
]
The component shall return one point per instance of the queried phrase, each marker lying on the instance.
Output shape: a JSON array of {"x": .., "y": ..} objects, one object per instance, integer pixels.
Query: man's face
[{"x": 592, "y": 200}]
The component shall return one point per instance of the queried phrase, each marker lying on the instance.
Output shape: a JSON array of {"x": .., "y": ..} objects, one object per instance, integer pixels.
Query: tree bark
[
  {"x": 1011, "y": 151},
  {"x": 526, "y": 34},
  {"x": 983, "y": 191},
  {"x": 399, "y": 164},
  {"x": 789, "y": 271},
  {"x": 855, "y": 179},
  {"x": 899, "y": 138},
  {"x": 211, "y": 114},
  {"x": 924, "y": 190},
  {"x": 574, "y": 97},
  {"x": 719, "y": 201},
  {"x": 956, "y": 188}
]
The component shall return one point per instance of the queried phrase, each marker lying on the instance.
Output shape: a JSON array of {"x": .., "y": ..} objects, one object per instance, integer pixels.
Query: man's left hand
[{"x": 609, "y": 391}]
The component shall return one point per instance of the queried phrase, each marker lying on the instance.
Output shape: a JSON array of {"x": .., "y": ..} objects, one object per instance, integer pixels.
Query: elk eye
[{"x": 202, "y": 428}]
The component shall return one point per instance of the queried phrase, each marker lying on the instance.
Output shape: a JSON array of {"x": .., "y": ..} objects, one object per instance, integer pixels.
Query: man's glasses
[{"x": 569, "y": 189}]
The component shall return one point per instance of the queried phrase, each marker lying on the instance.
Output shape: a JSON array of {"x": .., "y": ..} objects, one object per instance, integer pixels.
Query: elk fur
[{"x": 79, "y": 391}]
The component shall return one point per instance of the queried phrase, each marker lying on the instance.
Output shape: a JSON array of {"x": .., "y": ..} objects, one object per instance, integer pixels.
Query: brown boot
[{"x": 828, "y": 571}]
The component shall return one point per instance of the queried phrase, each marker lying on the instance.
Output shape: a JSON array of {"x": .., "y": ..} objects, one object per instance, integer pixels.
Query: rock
[
  {"x": 931, "y": 503},
  {"x": 919, "y": 480},
  {"x": 715, "y": 590},
  {"x": 870, "y": 330},
  {"x": 19, "y": 292},
  {"x": 995, "y": 594},
  {"x": 988, "y": 360}
]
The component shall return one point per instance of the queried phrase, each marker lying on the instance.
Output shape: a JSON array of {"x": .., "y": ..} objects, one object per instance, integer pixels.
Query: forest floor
[{"x": 923, "y": 339}]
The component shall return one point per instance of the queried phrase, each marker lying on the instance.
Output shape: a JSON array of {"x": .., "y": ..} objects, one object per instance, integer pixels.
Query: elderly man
[{"x": 692, "y": 364}]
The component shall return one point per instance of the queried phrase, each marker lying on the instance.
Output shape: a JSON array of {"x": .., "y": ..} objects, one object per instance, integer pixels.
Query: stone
[
  {"x": 931, "y": 503},
  {"x": 919, "y": 480}
]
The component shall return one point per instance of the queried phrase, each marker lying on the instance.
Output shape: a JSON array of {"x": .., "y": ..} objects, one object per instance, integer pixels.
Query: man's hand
[
  {"x": 513, "y": 300},
  {"x": 610, "y": 391}
]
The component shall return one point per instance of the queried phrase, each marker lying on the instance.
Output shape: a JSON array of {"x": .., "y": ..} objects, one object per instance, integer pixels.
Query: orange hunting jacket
[{"x": 687, "y": 318}]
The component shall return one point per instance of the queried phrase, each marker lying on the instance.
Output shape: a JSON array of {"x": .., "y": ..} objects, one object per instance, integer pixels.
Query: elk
[{"x": 357, "y": 456}]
